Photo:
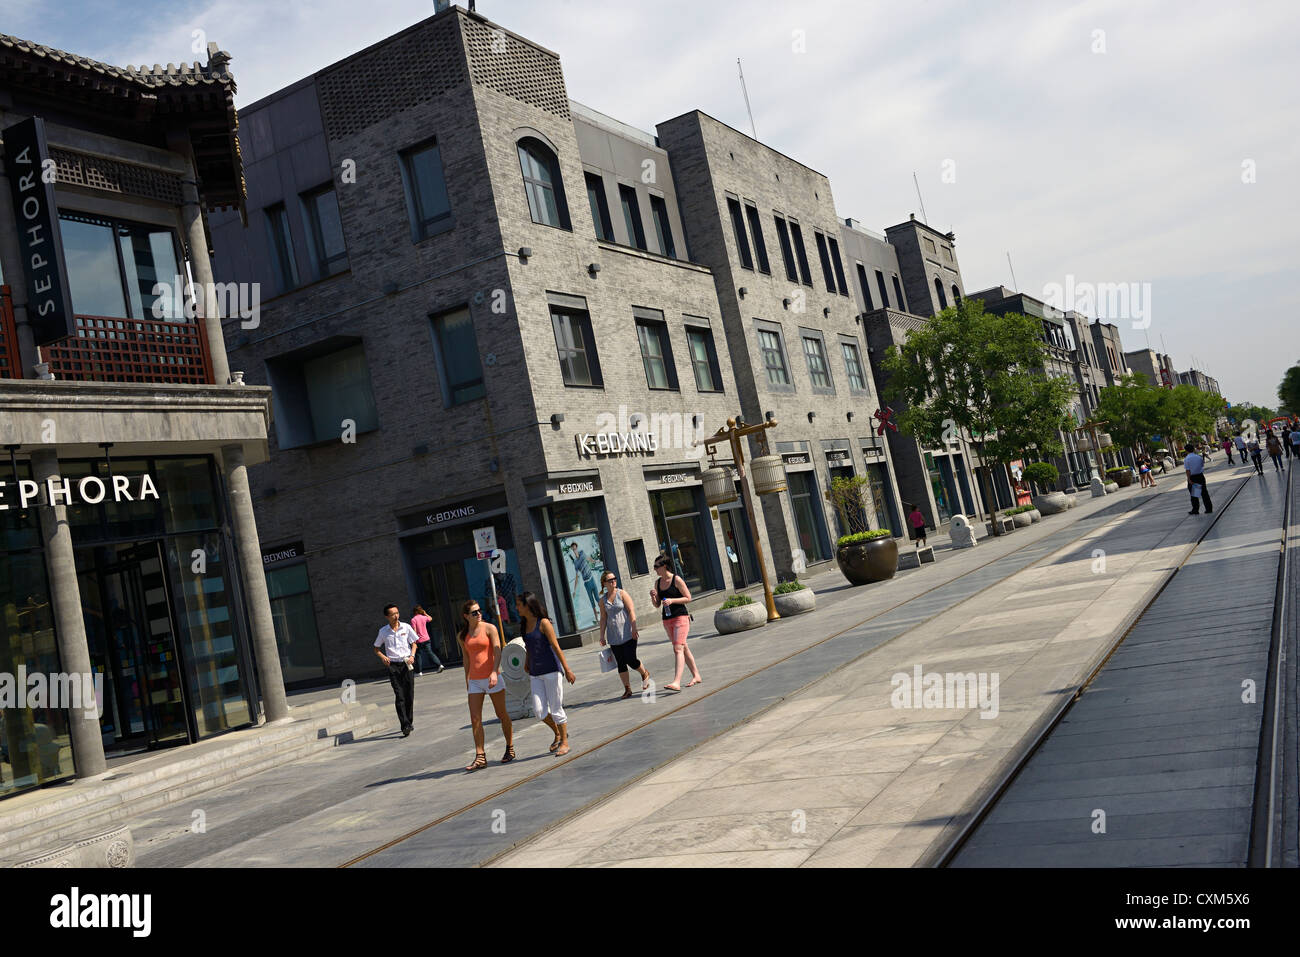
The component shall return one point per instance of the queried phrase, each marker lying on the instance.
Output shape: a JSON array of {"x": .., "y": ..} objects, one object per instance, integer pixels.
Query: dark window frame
[
  {"x": 542, "y": 154},
  {"x": 450, "y": 392},
  {"x": 659, "y": 329},
  {"x": 321, "y": 263},
  {"x": 760, "y": 244},
  {"x": 838, "y": 263},
  {"x": 773, "y": 328},
  {"x": 865, "y": 283},
  {"x": 884, "y": 289},
  {"x": 600, "y": 217},
  {"x": 847, "y": 344},
  {"x": 899, "y": 295},
  {"x": 422, "y": 228},
  {"x": 631, "y": 207},
  {"x": 663, "y": 226},
  {"x": 800, "y": 252},
  {"x": 279, "y": 236},
  {"x": 787, "y": 248},
  {"x": 740, "y": 233},
  {"x": 823, "y": 253},
  {"x": 711, "y": 358},
  {"x": 580, "y": 318},
  {"x": 817, "y": 338}
]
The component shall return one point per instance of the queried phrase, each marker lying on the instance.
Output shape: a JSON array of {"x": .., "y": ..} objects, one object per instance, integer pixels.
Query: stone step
[{"x": 88, "y": 807}]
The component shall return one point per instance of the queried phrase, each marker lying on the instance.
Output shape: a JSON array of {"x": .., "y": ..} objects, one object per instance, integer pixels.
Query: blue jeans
[{"x": 425, "y": 651}]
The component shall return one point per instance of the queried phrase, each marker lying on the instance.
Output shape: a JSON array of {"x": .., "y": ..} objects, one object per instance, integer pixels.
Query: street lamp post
[{"x": 733, "y": 434}]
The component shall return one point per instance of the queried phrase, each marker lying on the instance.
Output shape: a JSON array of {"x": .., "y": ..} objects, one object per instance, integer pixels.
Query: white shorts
[
  {"x": 480, "y": 685},
  {"x": 548, "y": 696}
]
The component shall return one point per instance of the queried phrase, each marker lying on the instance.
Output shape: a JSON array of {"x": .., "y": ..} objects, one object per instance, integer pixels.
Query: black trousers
[
  {"x": 1205, "y": 495},
  {"x": 625, "y": 655},
  {"x": 1230, "y": 460},
  {"x": 1258, "y": 461},
  {"x": 1277, "y": 460},
  {"x": 402, "y": 679}
]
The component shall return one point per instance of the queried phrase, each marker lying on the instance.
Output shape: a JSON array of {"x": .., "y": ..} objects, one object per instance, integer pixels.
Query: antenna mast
[
  {"x": 1015, "y": 285},
  {"x": 924, "y": 218},
  {"x": 745, "y": 90}
]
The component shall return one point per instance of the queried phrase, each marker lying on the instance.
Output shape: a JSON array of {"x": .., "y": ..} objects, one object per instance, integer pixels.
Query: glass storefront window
[
  {"x": 94, "y": 277},
  {"x": 939, "y": 489},
  {"x": 691, "y": 535},
  {"x": 577, "y": 562},
  {"x": 808, "y": 516},
  {"x": 19, "y": 528},
  {"x": 35, "y": 746},
  {"x": 188, "y": 497},
  {"x": 205, "y": 613},
  {"x": 295, "y": 624}
]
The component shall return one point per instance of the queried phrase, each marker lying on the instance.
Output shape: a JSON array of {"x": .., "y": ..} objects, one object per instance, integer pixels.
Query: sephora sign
[{"x": 90, "y": 490}]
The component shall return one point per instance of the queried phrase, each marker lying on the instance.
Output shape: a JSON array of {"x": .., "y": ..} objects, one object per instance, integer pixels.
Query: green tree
[
  {"x": 1288, "y": 393},
  {"x": 972, "y": 370},
  {"x": 1130, "y": 410}
]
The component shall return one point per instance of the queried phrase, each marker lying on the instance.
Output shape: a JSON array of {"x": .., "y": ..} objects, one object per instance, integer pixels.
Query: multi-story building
[
  {"x": 130, "y": 570},
  {"x": 1199, "y": 380},
  {"x": 765, "y": 224},
  {"x": 1156, "y": 366},
  {"x": 488, "y": 314},
  {"x": 1109, "y": 350}
]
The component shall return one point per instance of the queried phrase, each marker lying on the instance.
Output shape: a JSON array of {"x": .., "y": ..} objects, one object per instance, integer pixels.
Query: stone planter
[
  {"x": 868, "y": 562},
  {"x": 1053, "y": 503},
  {"x": 1022, "y": 519},
  {"x": 1069, "y": 501},
  {"x": 741, "y": 618},
  {"x": 1035, "y": 514},
  {"x": 1123, "y": 479},
  {"x": 1111, "y": 487},
  {"x": 795, "y": 602}
]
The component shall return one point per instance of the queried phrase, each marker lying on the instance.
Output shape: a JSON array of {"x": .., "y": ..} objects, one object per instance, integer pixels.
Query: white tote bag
[{"x": 607, "y": 660}]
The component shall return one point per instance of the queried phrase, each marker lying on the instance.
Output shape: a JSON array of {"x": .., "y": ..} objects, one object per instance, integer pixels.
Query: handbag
[{"x": 607, "y": 660}]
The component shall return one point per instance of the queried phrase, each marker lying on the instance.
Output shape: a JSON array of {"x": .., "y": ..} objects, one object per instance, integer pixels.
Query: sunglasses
[
  {"x": 607, "y": 581},
  {"x": 476, "y": 612}
]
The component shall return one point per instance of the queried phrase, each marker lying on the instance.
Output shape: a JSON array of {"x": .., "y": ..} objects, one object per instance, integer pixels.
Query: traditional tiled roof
[{"x": 186, "y": 74}]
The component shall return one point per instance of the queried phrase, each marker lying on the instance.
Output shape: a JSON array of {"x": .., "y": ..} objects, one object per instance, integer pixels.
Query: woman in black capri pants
[{"x": 618, "y": 630}]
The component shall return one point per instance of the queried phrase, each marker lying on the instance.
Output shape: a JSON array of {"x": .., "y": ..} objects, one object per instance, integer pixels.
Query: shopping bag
[{"x": 607, "y": 661}]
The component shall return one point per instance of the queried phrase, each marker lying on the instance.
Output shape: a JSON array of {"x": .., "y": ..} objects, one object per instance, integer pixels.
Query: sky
[{"x": 1150, "y": 147}]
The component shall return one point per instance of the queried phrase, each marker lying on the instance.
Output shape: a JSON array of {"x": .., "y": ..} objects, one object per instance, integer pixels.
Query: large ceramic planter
[
  {"x": 1053, "y": 503},
  {"x": 1123, "y": 479},
  {"x": 795, "y": 602},
  {"x": 1022, "y": 519},
  {"x": 867, "y": 562},
  {"x": 741, "y": 618}
]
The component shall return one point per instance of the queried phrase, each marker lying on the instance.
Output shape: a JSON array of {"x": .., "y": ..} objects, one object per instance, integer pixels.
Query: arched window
[
  {"x": 542, "y": 183},
  {"x": 956, "y": 295},
  {"x": 943, "y": 300}
]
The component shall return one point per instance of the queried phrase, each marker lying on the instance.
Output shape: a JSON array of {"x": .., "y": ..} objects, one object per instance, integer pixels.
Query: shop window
[
  {"x": 321, "y": 392},
  {"x": 809, "y": 520},
  {"x": 656, "y": 354},
  {"x": 704, "y": 359},
  {"x": 320, "y": 215},
  {"x": 576, "y": 346},
  {"x": 760, "y": 246},
  {"x": 632, "y": 216},
  {"x": 599, "y": 207},
  {"x": 683, "y": 527},
  {"x": 576, "y": 560},
  {"x": 427, "y": 203},
  {"x": 294, "y": 617},
  {"x": 460, "y": 372},
  {"x": 280, "y": 243},
  {"x": 787, "y": 251},
  {"x": 663, "y": 227}
]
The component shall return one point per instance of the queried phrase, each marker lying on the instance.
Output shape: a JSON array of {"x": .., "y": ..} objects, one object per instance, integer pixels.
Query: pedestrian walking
[
  {"x": 545, "y": 663},
  {"x": 671, "y": 595},
  {"x": 1194, "y": 466},
  {"x": 480, "y": 650},
  {"x": 618, "y": 630},
  {"x": 918, "y": 526},
  {"x": 1240, "y": 443},
  {"x": 1275, "y": 452},
  {"x": 1295, "y": 442},
  {"x": 1227, "y": 448},
  {"x": 424, "y": 647},
  {"x": 1256, "y": 458},
  {"x": 395, "y": 646},
  {"x": 1144, "y": 470}
]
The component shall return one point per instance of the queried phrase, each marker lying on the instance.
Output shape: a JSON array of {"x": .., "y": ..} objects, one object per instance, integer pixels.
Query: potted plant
[
  {"x": 1044, "y": 474},
  {"x": 1121, "y": 475},
  {"x": 739, "y": 613},
  {"x": 866, "y": 557},
  {"x": 793, "y": 598},
  {"x": 1020, "y": 516}
]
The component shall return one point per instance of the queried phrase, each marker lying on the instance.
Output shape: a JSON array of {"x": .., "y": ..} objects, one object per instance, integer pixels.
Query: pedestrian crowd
[{"x": 405, "y": 649}]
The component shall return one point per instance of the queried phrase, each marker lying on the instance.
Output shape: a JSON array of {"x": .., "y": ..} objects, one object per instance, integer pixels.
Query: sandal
[
  {"x": 554, "y": 744},
  {"x": 480, "y": 762},
  {"x": 627, "y": 693},
  {"x": 509, "y": 755}
]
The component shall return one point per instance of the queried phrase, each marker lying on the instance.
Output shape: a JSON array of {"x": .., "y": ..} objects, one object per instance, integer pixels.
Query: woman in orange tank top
[{"x": 480, "y": 650}]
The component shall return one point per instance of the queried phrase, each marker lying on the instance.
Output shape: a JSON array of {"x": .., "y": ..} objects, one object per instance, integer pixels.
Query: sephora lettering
[{"x": 90, "y": 490}]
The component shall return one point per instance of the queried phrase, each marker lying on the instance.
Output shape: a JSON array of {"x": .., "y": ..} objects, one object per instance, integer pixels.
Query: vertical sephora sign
[{"x": 30, "y": 172}]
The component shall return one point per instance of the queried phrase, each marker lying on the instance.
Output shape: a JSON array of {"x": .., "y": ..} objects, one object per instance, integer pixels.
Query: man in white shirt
[
  {"x": 395, "y": 646},
  {"x": 1194, "y": 466}
]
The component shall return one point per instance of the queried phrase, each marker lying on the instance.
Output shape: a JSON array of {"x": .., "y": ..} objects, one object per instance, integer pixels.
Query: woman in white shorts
[
  {"x": 544, "y": 663},
  {"x": 480, "y": 650}
]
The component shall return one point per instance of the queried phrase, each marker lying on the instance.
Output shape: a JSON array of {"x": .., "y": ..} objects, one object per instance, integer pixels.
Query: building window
[
  {"x": 853, "y": 365},
  {"x": 599, "y": 208},
  {"x": 839, "y": 266},
  {"x": 899, "y": 298},
  {"x": 787, "y": 251},
  {"x": 929, "y": 246},
  {"x": 114, "y": 265},
  {"x": 825, "y": 257},
  {"x": 704, "y": 359},
  {"x": 280, "y": 241},
  {"x": 947, "y": 254},
  {"x": 320, "y": 214},
  {"x": 956, "y": 295},
  {"x": 294, "y": 619},
  {"x": 818, "y": 371},
  {"x": 760, "y": 247},
  {"x": 938, "y": 288},
  {"x": 773, "y": 357},
  {"x": 656, "y": 354},
  {"x": 796, "y": 236},
  {"x": 576, "y": 346},
  {"x": 322, "y": 392},
  {"x": 426, "y": 191},
  {"x": 632, "y": 216},
  {"x": 684, "y": 530},
  {"x": 543, "y": 184},
  {"x": 663, "y": 228},
  {"x": 884, "y": 290},
  {"x": 738, "y": 229},
  {"x": 866, "y": 287},
  {"x": 461, "y": 372}
]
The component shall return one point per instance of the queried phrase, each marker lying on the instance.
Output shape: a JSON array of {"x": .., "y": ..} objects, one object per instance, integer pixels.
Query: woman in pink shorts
[{"x": 671, "y": 594}]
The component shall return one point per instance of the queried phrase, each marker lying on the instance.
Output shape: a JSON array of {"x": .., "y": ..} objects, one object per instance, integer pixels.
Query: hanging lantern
[
  {"x": 1104, "y": 439},
  {"x": 1083, "y": 442},
  {"x": 768, "y": 473},
  {"x": 719, "y": 488}
]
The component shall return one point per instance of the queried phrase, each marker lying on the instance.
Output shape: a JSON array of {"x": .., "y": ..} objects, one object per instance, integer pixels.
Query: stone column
[
  {"x": 69, "y": 626},
  {"x": 258, "y": 600},
  {"x": 11, "y": 262}
]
